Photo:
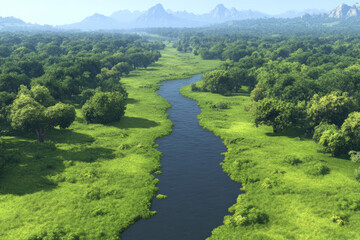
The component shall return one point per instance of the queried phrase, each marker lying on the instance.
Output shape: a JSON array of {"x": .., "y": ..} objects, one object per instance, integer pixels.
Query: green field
[
  {"x": 298, "y": 203},
  {"x": 92, "y": 181}
]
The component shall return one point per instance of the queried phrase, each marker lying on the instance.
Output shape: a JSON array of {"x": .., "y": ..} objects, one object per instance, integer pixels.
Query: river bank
[
  {"x": 282, "y": 201},
  {"x": 93, "y": 181},
  {"x": 199, "y": 192}
]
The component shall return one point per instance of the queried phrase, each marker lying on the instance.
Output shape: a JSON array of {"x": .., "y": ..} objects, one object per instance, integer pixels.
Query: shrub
[
  {"x": 354, "y": 156},
  {"x": 194, "y": 88},
  {"x": 86, "y": 95},
  {"x": 292, "y": 160},
  {"x": 245, "y": 215},
  {"x": 220, "y": 105},
  {"x": 268, "y": 183},
  {"x": 161, "y": 197},
  {"x": 317, "y": 169},
  {"x": 339, "y": 220},
  {"x": 333, "y": 142},
  {"x": 321, "y": 128}
]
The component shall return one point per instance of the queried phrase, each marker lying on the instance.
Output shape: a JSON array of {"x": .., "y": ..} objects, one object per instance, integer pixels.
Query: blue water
[{"x": 199, "y": 192}]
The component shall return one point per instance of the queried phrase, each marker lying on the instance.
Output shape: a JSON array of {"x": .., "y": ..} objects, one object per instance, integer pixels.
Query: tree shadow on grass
[
  {"x": 68, "y": 136},
  {"x": 291, "y": 133},
  {"x": 131, "y": 101},
  {"x": 156, "y": 65},
  {"x": 132, "y": 122},
  {"x": 30, "y": 165},
  {"x": 58, "y": 136}
]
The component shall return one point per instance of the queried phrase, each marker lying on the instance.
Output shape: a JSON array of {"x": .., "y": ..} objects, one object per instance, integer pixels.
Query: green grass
[
  {"x": 92, "y": 181},
  {"x": 303, "y": 199}
]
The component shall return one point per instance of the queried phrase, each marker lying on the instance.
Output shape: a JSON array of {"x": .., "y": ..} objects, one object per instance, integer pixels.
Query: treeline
[
  {"x": 320, "y": 26},
  {"x": 308, "y": 83},
  {"x": 39, "y": 73}
]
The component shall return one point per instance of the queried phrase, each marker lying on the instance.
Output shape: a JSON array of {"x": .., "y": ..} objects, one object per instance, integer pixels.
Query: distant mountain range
[{"x": 157, "y": 17}]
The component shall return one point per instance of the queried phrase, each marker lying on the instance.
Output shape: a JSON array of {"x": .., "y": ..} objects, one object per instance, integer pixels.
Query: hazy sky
[{"x": 56, "y": 12}]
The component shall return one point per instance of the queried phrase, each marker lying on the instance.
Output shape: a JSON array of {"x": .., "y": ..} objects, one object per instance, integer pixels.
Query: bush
[
  {"x": 321, "y": 128},
  {"x": 341, "y": 220},
  {"x": 268, "y": 183},
  {"x": 292, "y": 160},
  {"x": 317, "y": 169},
  {"x": 194, "y": 88},
  {"x": 161, "y": 197},
  {"x": 86, "y": 95},
  {"x": 355, "y": 156},
  {"x": 245, "y": 215},
  {"x": 104, "y": 107},
  {"x": 333, "y": 142},
  {"x": 220, "y": 105}
]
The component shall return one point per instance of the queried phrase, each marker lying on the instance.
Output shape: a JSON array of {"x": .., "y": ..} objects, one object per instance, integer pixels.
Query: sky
[{"x": 58, "y": 12}]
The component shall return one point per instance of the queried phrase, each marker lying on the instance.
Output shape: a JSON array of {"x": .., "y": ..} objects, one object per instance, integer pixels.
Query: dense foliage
[
  {"x": 301, "y": 81},
  {"x": 104, "y": 107},
  {"x": 64, "y": 67}
]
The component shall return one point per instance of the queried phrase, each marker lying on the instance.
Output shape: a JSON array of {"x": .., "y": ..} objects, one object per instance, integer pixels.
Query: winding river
[{"x": 199, "y": 192}]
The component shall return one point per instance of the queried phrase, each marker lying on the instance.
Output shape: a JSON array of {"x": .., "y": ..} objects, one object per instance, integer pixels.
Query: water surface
[{"x": 199, "y": 192}]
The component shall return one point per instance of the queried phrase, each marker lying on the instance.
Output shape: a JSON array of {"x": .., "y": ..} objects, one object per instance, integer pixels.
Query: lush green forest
[
  {"x": 287, "y": 108},
  {"x": 79, "y": 116}
]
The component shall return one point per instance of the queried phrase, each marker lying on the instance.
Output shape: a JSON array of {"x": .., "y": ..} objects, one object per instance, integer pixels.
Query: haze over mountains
[{"x": 157, "y": 17}]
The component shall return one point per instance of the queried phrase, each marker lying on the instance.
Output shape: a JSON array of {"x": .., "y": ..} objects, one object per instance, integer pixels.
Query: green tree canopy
[
  {"x": 104, "y": 107},
  {"x": 332, "y": 108},
  {"x": 275, "y": 113},
  {"x": 27, "y": 114}
]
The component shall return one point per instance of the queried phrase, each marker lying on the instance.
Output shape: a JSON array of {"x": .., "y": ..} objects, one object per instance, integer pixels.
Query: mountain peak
[
  {"x": 220, "y": 6},
  {"x": 157, "y": 8},
  {"x": 156, "y": 11},
  {"x": 345, "y": 11},
  {"x": 220, "y": 11}
]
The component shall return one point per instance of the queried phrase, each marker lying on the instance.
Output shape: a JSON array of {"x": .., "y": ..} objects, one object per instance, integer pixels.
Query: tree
[
  {"x": 104, "y": 107},
  {"x": 62, "y": 115},
  {"x": 42, "y": 95},
  {"x": 29, "y": 115},
  {"x": 333, "y": 142},
  {"x": 275, "y": 113},
  {"x": 122, "y": 68},
  {"x": 323, "y": 127},
  {"x": 351, "y": 130},
  {"x": 332, "y": 108},
  {"x": 217, "y": 81},
  {"x": 10, "y": 82}
]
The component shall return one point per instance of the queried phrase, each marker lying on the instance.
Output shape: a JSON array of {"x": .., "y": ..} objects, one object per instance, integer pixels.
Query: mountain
[
  {"x": 219, "y": 14},
  {"x": 94, "y": 22},
  {"x": 125, "y": 16},
  {"x": 295, "y": 14},
  {"x": 345, "y": 11},
  {"x": 15, "y": 24},
  {"x": 157, "y": 17}
]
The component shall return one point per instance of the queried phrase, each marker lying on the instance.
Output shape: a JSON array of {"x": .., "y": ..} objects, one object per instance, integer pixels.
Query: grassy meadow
[
  {"x": 92, "y": 181},
  {"x": 292, "y": 191}
]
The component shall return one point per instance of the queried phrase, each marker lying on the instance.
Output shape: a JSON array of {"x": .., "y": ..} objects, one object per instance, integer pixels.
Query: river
[{"x": 199, "y": 192}]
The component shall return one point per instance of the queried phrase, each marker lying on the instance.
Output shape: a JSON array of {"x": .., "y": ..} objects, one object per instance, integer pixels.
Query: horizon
[{"x": 44, "y": 12}]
